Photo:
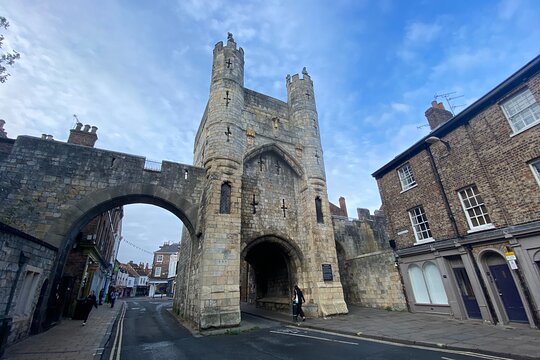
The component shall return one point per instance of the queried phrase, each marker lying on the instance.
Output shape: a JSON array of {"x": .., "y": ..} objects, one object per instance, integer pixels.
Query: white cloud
[{"x": 419, "y": 33}]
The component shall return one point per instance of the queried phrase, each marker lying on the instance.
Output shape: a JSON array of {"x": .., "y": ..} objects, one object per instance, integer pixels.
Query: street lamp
[{"x": 434, "y": 139}]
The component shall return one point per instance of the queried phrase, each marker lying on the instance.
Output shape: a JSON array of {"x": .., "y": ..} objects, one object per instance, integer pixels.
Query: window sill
[
  {"x": 409, "y": 188},
  {"x": 424, "y": 241},
  {"x": 481, "y": 228},
  {"x": 524, "y": 129}
]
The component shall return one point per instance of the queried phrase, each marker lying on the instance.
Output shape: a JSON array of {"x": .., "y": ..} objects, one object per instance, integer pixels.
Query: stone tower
[{"x": 264, "y": 222}]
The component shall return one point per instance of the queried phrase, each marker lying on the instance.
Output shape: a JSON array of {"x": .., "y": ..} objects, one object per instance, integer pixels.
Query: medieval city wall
[
  {"x": 30, "y": 259},
  {"x": 367, "y": 263}
]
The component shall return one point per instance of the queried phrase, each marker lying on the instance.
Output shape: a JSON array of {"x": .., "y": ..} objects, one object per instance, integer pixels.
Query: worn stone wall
[
  {"x": 46, "y": 185},
  {"x": 374, "y": 281},
  {"x": 366, "y": 262},
  {"x": 38, "y": 258}
]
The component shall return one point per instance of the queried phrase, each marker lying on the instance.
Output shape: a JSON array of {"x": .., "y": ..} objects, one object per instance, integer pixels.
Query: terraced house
[{"x": 463, "y": 207}]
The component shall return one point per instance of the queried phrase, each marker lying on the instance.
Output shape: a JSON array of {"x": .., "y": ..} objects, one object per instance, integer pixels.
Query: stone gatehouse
[{"x": 265, "y": 218}]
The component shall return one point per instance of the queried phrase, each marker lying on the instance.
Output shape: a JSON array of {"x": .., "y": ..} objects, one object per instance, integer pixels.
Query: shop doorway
[
  {"x": 467, "y": 293},
  {"x": 509, "y": 293}
]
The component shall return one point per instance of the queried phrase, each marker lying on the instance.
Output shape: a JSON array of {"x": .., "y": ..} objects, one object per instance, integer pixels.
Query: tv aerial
[{"x": 449, "y": 97}]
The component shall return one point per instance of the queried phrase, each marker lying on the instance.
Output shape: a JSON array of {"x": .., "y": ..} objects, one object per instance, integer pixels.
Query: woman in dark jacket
[
  {"x": 298, "y": 299},
  {"x": 90, "y": 301}
]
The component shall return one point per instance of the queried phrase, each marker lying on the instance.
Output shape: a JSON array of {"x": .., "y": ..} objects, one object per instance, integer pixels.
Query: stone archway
[
  {"x": 271, "y": 267},
  {"x": 78, "y": 214}
]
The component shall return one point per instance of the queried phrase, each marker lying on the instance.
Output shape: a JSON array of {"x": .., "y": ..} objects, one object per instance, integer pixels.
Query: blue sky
[{"x": 140, "y": 72}]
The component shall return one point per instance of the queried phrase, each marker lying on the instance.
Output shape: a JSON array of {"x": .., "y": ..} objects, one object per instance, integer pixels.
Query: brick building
[
  {"x": 163, "y": 277},
  {"x": 463, "y": 207}
]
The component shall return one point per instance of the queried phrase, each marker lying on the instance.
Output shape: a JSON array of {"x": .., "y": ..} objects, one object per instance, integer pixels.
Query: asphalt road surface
[{"x": 147, "y": 330}]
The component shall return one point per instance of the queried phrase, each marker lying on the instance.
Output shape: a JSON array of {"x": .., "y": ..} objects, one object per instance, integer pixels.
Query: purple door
[
  {"x": 509, "y": 293},
  {"x": 467, "y": 293}
]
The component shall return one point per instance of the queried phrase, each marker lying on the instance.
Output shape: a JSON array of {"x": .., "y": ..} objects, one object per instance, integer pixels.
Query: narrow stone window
[
  {"x": 225, "y": 199},
  {"x": 318, "y": 210}
]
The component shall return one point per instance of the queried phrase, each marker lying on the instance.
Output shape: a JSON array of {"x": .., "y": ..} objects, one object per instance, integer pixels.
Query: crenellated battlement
[
  {"x": 296, "y": 79},
  {"x": 231, "y": 45}
]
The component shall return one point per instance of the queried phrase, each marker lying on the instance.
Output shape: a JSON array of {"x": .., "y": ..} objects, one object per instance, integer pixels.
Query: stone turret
[
  {"x": 303, "y": 113},
  {"x": 221, "y": 154}
]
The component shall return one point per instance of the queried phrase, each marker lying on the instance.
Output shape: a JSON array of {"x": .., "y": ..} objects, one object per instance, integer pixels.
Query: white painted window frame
[
  {"x": 535, "y": 168},
  {"x": 414, "y": 224},
  {"x": 156, "y": 272},
  {"x": 473, "y": 228},
  {"x": 530, "y": 106},
  {"x": 159, "y": 258},
  {"x": 404, "y": 174},
  {"x": 431, "y": 285}
]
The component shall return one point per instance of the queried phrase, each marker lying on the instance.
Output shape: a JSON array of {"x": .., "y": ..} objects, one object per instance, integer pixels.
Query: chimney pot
[
  {"x": 343, "y": 207},
  {"x": 44, "y": 136},
  {"x": 437, "y": 115},
  {"x": 83, "y": 137}
]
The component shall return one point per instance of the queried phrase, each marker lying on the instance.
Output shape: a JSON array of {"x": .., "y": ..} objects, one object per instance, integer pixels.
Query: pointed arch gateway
[{"x": 271, "y": 268}]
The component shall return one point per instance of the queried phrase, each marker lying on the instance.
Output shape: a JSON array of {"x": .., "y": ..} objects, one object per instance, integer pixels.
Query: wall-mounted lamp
[{"x": 433, "y": 139}]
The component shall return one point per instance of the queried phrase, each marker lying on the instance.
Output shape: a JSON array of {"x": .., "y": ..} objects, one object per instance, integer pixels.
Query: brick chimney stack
[
  {"x": 3, "y": 133},
  {"x": 437, "y": 114},
  {"x": 343, "y": 206},
  {"x": 80, "y": 136}
]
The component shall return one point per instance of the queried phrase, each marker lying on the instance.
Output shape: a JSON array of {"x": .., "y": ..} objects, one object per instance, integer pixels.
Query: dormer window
[
  {"x": 406, "y": 177},
  {"x": 522, "y": 111}
]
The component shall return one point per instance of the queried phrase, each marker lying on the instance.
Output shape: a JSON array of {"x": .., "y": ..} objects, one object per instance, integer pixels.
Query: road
[{"x": 148, "y": 330}]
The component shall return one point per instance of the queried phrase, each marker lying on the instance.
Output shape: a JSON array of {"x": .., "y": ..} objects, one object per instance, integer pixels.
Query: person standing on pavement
[
  {"x": 112, "y": 298},
  {"x": 101, "y": 294},
  {"x": 87, "y": 305},
  {"x": 298, "y": 299}
]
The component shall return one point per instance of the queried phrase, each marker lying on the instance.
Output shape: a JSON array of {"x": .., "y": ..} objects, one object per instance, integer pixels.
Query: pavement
[
  {"x": 434, "y": 331},
  {"x": 70, "y": 340}
]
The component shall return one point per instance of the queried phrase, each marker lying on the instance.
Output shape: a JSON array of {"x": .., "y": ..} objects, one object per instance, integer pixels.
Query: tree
[{"x": 7, "y": 58}]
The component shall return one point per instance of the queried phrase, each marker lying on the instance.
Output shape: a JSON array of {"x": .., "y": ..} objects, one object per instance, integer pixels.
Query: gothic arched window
[
  {"x": 318, "y": 210},
  {"x": 225, "y": 199}
]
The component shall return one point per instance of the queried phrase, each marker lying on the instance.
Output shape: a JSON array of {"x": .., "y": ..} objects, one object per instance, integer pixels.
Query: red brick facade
[
  {"x": 483, "y": 151},
  {"x": 498, "y": 263}
]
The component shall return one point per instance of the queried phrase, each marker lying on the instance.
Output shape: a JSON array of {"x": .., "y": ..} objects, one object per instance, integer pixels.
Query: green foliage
[{"x": 6, "y": 58}]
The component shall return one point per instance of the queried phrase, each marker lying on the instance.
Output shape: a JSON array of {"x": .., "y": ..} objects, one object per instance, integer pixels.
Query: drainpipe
[
  {"x": 443, "y": 193},
  {"x": 454, "y": 224}
]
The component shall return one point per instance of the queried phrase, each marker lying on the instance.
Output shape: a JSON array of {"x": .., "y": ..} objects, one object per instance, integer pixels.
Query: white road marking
[
  {"x": 294, "y": 330},
  {"x": 446, "y": 358},
  {"x": 313, "y": 337}
]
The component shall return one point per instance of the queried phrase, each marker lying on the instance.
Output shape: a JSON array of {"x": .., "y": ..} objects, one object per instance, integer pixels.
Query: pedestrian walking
[
  {"x": 88, "y": 303},
  {"x": 112, "y": 298},
  {"x": 101, "y": 294},
  {"x": 298, "y": 299}
]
